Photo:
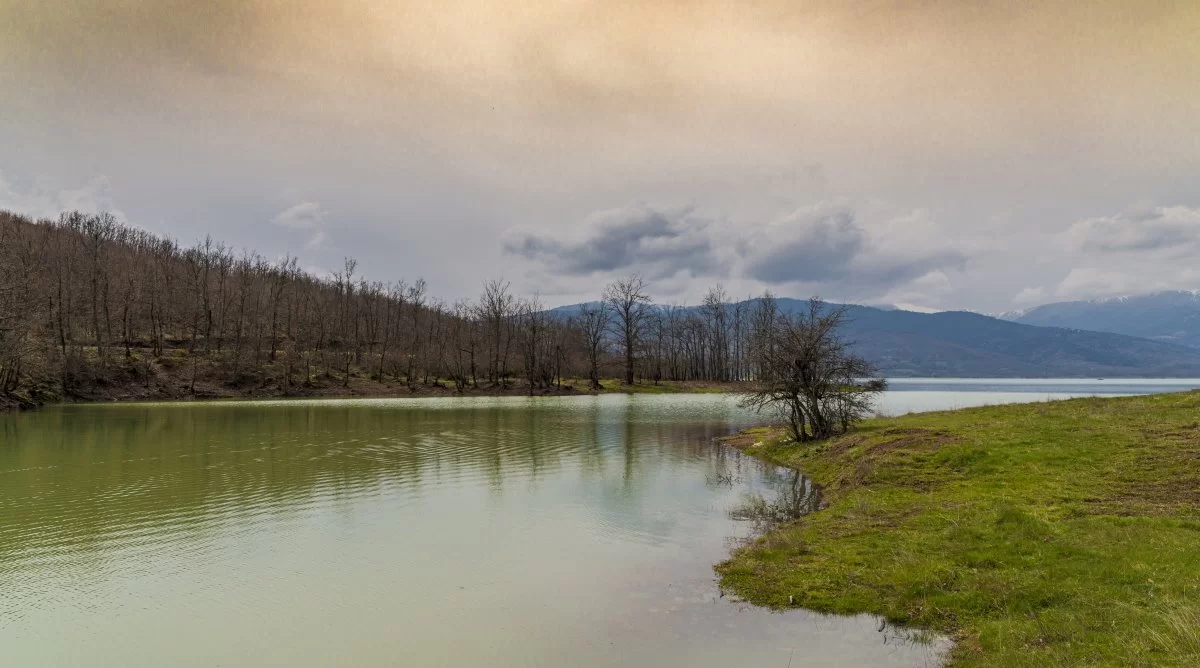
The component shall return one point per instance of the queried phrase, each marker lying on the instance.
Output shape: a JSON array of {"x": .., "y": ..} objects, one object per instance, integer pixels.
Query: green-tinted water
[{"x": 478, "y": 532}]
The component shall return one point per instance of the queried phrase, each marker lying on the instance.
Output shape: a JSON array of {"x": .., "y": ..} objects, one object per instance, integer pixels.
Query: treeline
[{"x": 87, "y": 302}]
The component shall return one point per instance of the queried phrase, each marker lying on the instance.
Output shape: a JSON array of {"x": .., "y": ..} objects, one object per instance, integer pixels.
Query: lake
[{"x": 575, "y": 531}]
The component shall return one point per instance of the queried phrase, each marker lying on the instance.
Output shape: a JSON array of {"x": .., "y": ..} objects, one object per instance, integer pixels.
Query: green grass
[{"x": 1057, "y": 534}]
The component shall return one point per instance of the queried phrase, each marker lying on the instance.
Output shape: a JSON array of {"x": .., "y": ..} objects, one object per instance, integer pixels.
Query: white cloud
[
  {"x": 1094, "y": 283},
  {"x": 1163, "y": 228},
  {"x": 1030, "y": 296},
  {"x": 916, "y": 308},
  {"x": 92, "y": 197},
  {"x": 306, "y": 215},
  {"x": 317, "y": 240},
  {"x": 303, "y": 216},
  {"x": 1137, "y": 251}
]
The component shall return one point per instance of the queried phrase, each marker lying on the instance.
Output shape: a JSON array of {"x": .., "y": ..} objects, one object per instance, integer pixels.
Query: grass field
[{"x": 1053, "y": 534}]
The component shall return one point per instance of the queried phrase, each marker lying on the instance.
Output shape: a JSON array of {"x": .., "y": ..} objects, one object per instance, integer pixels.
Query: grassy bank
[{"x": 1056, "y": 534}]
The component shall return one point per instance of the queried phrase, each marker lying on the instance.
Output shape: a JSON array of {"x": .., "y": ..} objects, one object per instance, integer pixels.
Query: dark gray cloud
[
  {"x": 654, "y": 242},
  {"x": 809, "y": 247},
  {"x": 821, "y": 247},
  {"x": 885, "y": 270},
  {"x": 826, "y": 246}
]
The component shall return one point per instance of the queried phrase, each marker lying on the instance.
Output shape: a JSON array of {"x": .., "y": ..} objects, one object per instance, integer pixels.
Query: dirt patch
[
  {"x": 1173, "y": 452},
  {"x": 893, "y": 439},
  {"x": 742, "y": 440},
  {"x": 877, "y": 443}
]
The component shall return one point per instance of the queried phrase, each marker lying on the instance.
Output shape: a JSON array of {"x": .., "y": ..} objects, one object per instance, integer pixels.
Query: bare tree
[
  {"x": 497, "y": 308},
  {"x": 18, "y": 308},
  {"x": 629, "y": 303},
  {"x": 593, "y": 322},
  {"x": 415, "y": 296},
  {"x": 539, "y": 344},
  {"x": 461, "y": 363},
  {"x": 73, "y": 289},
  {"x": 715, "y": 310},
  {"x": 807, "y": 373}
]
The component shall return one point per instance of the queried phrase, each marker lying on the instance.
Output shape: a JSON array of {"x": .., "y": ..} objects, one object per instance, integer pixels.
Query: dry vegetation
[{"x": 92, "y": 309}]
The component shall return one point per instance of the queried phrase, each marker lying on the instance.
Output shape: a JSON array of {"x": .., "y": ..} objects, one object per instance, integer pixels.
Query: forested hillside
[{"x": 91, "y": 308}]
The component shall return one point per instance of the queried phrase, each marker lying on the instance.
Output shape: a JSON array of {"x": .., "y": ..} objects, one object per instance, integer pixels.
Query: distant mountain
[
  {"x": 960, "y": 343},
  {"x": 1173, "y": 316}
]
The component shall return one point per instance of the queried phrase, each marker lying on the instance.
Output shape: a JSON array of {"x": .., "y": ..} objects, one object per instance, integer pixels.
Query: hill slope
[{"x": 1165, "y": 316}]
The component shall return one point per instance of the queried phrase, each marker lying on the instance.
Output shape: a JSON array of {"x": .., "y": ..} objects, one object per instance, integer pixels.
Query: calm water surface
[{"x": 477, "y": 532}]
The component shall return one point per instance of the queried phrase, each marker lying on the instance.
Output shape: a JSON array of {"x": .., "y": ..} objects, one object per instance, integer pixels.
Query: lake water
[{"x": 573, "y": 531}]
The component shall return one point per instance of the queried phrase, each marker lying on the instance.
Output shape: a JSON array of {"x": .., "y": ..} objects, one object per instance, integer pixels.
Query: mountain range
[
  {"x": 1173, "y": 316},
  {"x": 965, "y": 344}
]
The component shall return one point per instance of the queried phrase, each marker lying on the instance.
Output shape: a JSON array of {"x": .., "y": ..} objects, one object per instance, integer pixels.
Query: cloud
[
  {"x": 821, "y": 247},
  {"x": 318, "y": 238},
  {"x": 306, "y": 215},
  {"x": 1138, "y": 251},
  {"x": 1089, "y": 282},
  {"x": 302, "y": 216},
  {"x": 92, "y": 197},
  {"x": 656, "y": 242},
  {"x": 1124, "y": 280},
  {"x": 1163, "y": 228},
  {"x": 809, "y": 245},
  {"x": 429, "y": 128},
  {"x": 825, "y": 244},
  {"x": 1030, "y": 296}
]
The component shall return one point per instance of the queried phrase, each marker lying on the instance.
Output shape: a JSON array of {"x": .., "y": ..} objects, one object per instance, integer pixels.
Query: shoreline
[
  {"x": 363, "y": 389},
  {"x": 1045, "y": 533}
]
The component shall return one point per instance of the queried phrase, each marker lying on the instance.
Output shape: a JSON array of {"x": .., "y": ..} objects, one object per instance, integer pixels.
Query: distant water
[
  {"x": 909, "y": 395},
  {"x": 398, "y": 532}
]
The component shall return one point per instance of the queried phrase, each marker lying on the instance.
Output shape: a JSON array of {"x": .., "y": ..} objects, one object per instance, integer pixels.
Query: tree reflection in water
[{"x": 796, "y": 495}]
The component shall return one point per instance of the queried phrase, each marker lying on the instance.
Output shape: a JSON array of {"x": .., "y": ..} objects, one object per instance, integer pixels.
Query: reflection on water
[
  {"x": 490, "y": 532},
  {"x": 793, "y": 496}
]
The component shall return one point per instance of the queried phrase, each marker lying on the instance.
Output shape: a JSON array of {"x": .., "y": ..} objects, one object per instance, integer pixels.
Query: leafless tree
[
  {"x": 807, "y": 373},
  {"x": 593, "y": 322},
  {"x": 629, "y": 304},
  {"x": 74, "y": 289},
  {"x": 497, "y": 309}
]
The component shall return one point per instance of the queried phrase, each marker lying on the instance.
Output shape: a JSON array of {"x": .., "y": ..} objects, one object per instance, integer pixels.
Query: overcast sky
[{"x": 940, "y": 154}]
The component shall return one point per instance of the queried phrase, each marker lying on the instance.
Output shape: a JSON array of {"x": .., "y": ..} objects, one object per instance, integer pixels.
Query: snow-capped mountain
[{"x": 1172, "y": 316}]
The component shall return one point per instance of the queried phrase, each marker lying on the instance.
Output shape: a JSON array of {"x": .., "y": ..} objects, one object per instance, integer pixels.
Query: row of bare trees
[{"x": 86, "y": 301}]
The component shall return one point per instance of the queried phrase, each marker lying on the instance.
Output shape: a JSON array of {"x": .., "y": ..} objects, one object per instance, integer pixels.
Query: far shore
[
  {"x": 174, "y": 386},
  {"x": 360, "y": 388}
]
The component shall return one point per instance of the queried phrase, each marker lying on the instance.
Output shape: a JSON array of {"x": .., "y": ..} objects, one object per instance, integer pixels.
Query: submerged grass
[
  {"x": 617, "y": 386},
  {"x": 1054, "y": 534}
]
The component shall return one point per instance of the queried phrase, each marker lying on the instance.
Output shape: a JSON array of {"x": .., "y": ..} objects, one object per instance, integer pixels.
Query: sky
[{"x": 938, "y": 154}]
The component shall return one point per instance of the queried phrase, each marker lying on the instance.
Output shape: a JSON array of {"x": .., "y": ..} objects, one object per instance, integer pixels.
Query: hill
[{"x": 1172, "y": 316}]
